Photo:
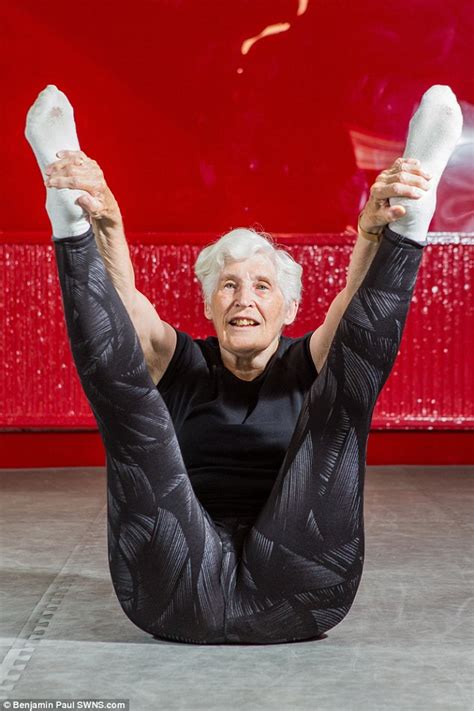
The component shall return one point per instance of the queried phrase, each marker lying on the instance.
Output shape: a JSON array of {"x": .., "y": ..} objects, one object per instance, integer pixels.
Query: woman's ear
[
  {"x": 207, "y": 311},
  {"x": 291, "y": 312}
]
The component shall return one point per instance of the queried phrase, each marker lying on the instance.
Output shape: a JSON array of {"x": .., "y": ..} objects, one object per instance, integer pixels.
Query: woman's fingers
[
  {"x": 73, "y": 155},
  {"x": 381, "y": 215},
  {"x": 395, "y": 212},
  {"x": 63, "y": 165},
  {"x": 75, "y": 171},
  {"x": 92, "y": 205},
  {"x": 68, "y": 158},
  {"x": 408, "y": 179},
  {"x": 72, "y": 166},
  {"x": 66, "y": 154},
  {"x": 74, "y": 163},
  {"x": 77, "y": 181},
  {"x": 384, "y": 191},
  {"x": 408, "y": 165},
  {"x": 390, "y": 214},
  {"x": 94, "y": 200},
  {"x": 405, "y": 178}
]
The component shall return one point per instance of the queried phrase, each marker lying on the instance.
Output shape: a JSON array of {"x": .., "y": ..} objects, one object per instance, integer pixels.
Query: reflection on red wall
[{"x": 209, "y": 115}]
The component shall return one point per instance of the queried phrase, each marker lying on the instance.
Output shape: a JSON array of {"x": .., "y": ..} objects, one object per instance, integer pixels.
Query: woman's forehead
[{"x": 258, "y": 265}]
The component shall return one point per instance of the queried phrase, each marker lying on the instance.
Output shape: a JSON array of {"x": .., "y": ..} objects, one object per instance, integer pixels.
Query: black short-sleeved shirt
[{"x": 234, "y": 433}]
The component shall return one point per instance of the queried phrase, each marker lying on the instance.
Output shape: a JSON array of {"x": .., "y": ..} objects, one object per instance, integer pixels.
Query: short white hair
[{"x": 243, "y": 243}]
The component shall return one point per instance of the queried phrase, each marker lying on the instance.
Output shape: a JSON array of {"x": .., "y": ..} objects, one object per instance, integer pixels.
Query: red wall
[{"x": 199, "y": 130}]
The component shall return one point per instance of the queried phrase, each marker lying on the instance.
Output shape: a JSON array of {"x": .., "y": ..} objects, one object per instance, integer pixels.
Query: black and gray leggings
[{"x": 292, "y": 573}]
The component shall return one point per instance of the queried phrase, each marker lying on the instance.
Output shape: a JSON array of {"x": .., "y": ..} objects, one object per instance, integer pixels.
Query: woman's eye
[
  {"x": 262, "y": 286},
  {"x": 229, "y": 283}
]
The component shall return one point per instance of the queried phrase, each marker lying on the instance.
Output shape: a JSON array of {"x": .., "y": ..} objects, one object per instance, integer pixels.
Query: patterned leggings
[{"x": 291, "y": 574}]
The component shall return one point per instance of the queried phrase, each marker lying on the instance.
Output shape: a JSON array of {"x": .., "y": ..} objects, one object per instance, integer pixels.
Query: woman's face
[{"x": 247, "y": 307}]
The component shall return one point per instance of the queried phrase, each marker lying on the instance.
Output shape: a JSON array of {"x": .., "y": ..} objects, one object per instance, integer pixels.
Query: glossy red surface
[{"x": 199, "y": 125}]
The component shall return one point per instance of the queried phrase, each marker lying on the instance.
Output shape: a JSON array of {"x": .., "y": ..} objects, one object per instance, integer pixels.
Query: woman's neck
[{"x": 248, "y": 366}]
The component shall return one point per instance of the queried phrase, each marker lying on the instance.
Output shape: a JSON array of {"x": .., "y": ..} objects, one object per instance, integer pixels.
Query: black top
[{"x": 234, "y": 433}]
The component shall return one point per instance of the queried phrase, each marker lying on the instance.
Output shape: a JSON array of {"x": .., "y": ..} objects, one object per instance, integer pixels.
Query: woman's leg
[
  {"x": 302, "y": 559},
  {"x": 164, "y": 552}
]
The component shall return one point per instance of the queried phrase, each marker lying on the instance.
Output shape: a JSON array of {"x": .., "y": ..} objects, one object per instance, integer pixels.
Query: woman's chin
[
  {"x": 244, "y": 337},
  {"x": 246, "y": 331}
]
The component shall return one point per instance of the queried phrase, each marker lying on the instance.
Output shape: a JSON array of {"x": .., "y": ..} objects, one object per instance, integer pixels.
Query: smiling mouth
[{"x": 243, "y": 323}]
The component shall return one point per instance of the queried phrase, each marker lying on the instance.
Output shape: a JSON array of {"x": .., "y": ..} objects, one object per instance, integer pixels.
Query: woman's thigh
[
  {"x": 302, "y": 559},
  {"x": 165, "y": 554}
]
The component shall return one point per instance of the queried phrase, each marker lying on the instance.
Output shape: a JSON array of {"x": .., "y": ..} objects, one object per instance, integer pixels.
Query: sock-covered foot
[
  {"x": 434, "y": 130},
  {"x": 50, "y": 128}
]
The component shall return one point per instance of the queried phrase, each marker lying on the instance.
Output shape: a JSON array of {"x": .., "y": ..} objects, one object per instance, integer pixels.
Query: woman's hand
[
  {"x": 77, "y": 171},
  {"x": 405, "y": 178}
]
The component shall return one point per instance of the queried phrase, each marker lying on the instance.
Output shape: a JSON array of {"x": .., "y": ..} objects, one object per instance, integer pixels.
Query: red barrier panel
[
  {"x": 431, "y": 386},
  {"x": 85, "y": 449}
]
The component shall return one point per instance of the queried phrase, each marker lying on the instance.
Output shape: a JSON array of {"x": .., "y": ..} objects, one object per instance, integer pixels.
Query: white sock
[
  {"x": 434, "y": 130},
  {"x": 50, "y": 128}
]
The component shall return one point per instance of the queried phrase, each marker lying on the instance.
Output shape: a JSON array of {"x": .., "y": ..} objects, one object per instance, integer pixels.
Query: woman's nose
[{"x": 244, "y": 296}]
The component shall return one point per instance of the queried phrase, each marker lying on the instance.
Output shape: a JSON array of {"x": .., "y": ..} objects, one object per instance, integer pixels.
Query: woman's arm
[
  {"x": 360, "y": 261},
  {"x": 403, "y": 179},
  {"x": 113, "y": 247},
  {"x": 75, "y": 170},
  {"x": 157, "y": 338}
]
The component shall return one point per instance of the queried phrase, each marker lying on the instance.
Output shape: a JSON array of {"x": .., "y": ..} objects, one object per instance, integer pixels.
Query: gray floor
[{"x": 406, "y": 644}]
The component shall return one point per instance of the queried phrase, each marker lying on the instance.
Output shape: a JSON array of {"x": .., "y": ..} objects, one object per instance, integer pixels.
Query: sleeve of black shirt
[
  {"x": 309, "y": 358},
  {"x": 184, "y": 357}
]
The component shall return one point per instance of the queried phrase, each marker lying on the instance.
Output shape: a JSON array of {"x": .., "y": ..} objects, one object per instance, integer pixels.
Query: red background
[{"x": 196, "y": 136}]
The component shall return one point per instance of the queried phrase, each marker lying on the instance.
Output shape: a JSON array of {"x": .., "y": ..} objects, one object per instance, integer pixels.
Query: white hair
[{"x": 243, "y": 243}]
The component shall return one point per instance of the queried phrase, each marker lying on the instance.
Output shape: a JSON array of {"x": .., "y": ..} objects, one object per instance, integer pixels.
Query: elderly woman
[{"x": 235, "y": 463}]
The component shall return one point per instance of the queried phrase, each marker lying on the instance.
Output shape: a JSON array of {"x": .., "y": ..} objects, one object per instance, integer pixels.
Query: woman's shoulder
[
  {"x": 296, "y": 354},
  {"x": 294, "y": 343},
  {"x": 187, "y": 355}
]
